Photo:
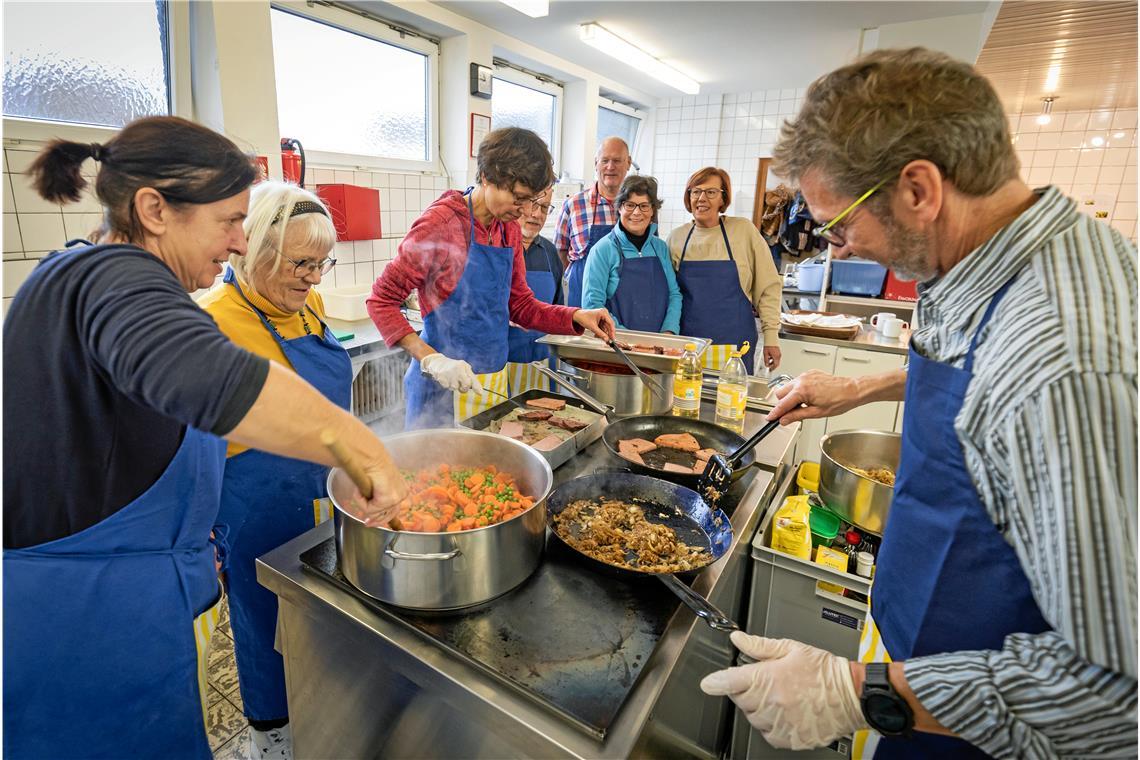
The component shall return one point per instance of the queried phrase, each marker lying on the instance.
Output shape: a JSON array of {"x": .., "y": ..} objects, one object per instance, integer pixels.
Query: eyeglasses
[
  {"x": 305, "y": 267},
  {"x": 524, "y": 201},
  {"x": 708, "y": 192},
  {"x": 542, "y": 208},
  {"x": 835, "y": 236},
  {"x": 629, "y": 207}
]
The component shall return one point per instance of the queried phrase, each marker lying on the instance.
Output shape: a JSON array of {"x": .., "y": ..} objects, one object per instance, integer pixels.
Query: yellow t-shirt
[
  {"x": 241, "y": 324},
  {"x": 759, "y": 279}
]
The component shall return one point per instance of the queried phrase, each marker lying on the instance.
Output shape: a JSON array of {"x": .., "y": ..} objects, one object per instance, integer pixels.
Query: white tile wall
[
  {"x": 1083, "y": 153},
  {"x": 33, "y": 227}
]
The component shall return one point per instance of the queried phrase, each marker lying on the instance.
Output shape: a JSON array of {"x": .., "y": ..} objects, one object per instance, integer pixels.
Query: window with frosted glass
[
  {"x": 342, "y": 92},
  {"x": 100, "y": 63},
  {"x": 613, "y": 123},
  {"x": 513, "y": 105}
]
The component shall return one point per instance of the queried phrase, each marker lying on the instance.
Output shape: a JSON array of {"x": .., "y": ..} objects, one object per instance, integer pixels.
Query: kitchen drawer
[
  {"x": 881, "y": 415},
  {"x": 798, "y": 356}
]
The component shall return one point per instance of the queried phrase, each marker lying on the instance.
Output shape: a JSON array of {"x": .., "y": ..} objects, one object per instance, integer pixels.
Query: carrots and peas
[{"x": 447, "y": 498}]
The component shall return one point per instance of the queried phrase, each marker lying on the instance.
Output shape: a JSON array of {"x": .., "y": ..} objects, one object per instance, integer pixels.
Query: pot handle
[
  {"x": 431, "y": 556},
  {"x": 700, "y": 606},
  {"x": 578, "y": 393}
]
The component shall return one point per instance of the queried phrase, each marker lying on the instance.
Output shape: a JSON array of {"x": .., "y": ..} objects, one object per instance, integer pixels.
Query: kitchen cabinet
[
  {"x": 797, "y": 357},
  {"x": 880, "y": 415}
]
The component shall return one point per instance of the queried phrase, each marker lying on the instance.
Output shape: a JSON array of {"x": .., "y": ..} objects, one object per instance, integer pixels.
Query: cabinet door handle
[
  {"x": 855, "y": 359},
  {"x": 813, "y": 352}
]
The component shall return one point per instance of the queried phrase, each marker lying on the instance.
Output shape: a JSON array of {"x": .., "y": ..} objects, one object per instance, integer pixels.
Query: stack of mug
[{"x": 888, "y": 325}]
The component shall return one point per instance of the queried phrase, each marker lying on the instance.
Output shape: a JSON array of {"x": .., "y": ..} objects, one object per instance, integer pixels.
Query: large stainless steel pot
[
  {"x": 442, "y": 571},
  {"x": 858, "y": 500},
  {"x": 626, "y": 393}
]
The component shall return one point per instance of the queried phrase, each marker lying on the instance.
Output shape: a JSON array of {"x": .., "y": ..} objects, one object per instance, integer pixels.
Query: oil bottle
[
  {"x": 687, "y": 384},
  {"x": 732, "y": 392}
]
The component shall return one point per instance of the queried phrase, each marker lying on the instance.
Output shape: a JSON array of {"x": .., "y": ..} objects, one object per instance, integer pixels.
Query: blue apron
[
  {"x": 641, "y": 299},
  {"x": 713, "y": 305},
  {"x": 100, "y": 655},
  {"x": 521, "y": 346},
  {"x": 470, "y": 325},
  {"x": 576, "y": 271},
  {"x": 946, "y": 579},
  {"x": 266, "y": 501}
]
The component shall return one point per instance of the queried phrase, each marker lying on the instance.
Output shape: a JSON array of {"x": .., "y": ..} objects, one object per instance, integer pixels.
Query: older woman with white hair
[{"x": 268, "y": 306}]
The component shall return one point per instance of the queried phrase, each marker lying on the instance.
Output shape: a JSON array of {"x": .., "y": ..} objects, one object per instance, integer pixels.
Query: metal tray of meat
[
  {"x": 593, "y": 349},
  {"x": 573, "y": 443}
]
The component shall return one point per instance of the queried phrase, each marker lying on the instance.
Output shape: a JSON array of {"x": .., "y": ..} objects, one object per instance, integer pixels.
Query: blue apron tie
[
  {"x": 266, "y": 501},
  {"x": 947, "y": 580},
  {"x": 99, "y": 645},
  {"x": 713, "y": 305},
  {"x": 470, "y": 325},
  {"x": 641, "y": 299},
  {"x": 576, "y": 271}
]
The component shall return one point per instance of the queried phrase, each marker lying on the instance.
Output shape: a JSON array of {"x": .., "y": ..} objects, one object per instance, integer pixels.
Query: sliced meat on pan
[
  {"x": 705, "y": 454},
  {"x": 567, "y": 423},
  {"x": 672, "y": 351},
  {"x": 538, "y": 415},
  {"x": 670, "y": 467},
  {"x": 549, "y": 443},
  {"x": 681, "y": 441},
  {"x": 632, "y": 456},
  {"x": 630, "y": 451},
  {"x": 699, "y": 467},
  {"x": 553, "y": 404},
  {"x": 639, "y": 445},
  {"x": 511, "y": 429}
]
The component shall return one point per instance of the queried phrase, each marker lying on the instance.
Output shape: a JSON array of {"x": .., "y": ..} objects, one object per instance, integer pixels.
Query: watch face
[{"x": 885, "y": 714}]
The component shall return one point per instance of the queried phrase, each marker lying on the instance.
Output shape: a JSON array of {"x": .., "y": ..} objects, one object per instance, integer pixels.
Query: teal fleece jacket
[{"x": 601, "y": 276}]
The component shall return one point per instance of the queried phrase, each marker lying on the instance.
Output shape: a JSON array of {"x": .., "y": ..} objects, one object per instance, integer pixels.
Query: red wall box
[
  {"x": 355, "y": 210},
  {"x": 899, "y": 290}
]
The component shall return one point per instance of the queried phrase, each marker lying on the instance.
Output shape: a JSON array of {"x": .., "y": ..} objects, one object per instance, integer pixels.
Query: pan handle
[
  {"x": 700, "y": 606},
  {"x": 575, "y": 391}
]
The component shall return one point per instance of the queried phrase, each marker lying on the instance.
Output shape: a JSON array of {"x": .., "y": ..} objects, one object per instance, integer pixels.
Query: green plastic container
[{"x": 824, "y": 526}]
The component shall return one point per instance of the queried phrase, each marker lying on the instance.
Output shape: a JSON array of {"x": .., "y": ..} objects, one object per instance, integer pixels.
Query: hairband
[
  {"x": 300, "y": 207},
  {"x": 97, "y": 151}
]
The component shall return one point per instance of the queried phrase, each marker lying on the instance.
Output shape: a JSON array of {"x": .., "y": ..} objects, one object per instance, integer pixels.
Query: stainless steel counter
[
  {"x": 868, "y": 339},
  {"x": 363, "y": 683}
]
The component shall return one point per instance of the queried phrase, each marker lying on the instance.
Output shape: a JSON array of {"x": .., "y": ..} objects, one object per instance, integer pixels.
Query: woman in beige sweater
[{"x": 726, "y": 274}]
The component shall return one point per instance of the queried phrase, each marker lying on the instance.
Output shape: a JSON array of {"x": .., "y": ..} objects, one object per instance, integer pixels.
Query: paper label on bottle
[
  {"x": 687, "y": 394},
  {"x": 730, "y": 402}
]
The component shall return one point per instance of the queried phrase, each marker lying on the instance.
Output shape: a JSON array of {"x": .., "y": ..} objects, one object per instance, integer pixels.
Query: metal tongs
[
  {"x": 508, "y": 398},
  {"x": 718, "y": 472},
  {"x": 645, "y": 379}
]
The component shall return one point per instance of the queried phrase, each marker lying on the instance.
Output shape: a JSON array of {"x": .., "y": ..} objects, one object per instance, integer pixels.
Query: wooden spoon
[{"x": 355, "y": 472}]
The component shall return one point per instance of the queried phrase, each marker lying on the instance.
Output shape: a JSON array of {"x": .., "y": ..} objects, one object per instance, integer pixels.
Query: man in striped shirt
[
  {"x": 588, "y": 216},
  {"x": 1005, "y": 596}
]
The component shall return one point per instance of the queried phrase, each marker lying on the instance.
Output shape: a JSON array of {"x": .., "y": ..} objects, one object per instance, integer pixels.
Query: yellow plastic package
[
  {"x": 836, "y": 560},
  {"x": 791, "y": 527}
]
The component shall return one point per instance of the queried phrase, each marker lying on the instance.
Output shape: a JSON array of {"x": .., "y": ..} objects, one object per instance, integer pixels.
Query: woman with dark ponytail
[{"x": 119, "y": 396}]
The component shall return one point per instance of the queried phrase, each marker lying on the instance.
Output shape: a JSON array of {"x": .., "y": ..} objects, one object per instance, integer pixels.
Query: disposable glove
[
  {"x": 452, "y": 374},
  {"x": 797, "y": 696}
]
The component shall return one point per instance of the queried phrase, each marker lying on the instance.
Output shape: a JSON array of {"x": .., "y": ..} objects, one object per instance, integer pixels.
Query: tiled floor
[{"x": 226, "y": 726}]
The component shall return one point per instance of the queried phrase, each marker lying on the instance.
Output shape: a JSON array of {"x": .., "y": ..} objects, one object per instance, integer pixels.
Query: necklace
[{"x": 305, "y": 322}]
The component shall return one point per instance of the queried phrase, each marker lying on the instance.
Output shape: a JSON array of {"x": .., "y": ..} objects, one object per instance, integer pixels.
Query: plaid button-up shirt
[{"x": 578, "y": 212}]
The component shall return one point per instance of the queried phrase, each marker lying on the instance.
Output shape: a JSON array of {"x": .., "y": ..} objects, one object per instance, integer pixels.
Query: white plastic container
[{"x": 346, "y": 303}]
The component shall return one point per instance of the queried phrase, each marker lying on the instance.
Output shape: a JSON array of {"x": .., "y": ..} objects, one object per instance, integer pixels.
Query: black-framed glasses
[
  {"x": 629, "y": 207},
  {"x": 834, "y": 235},
  {"x": 708, "y": 192},
  {"x": 543, "y": 208},
  {"x": 305, "y": 267}
]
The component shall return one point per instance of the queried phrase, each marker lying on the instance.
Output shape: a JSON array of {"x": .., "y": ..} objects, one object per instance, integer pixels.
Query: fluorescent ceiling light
[
  {"x": 609, "y": 43},
  {"x": 1053, "y": 78},
  {"x": 532, "y": 8}
]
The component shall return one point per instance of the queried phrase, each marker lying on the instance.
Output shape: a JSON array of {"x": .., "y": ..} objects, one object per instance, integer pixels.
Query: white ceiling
[{"x": 727, "y": 46}]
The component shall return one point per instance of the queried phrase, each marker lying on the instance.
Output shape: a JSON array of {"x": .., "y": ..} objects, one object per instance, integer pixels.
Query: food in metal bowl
[
  {"x": 884, "y": 475},
  {"x": 446, "y": 498}
]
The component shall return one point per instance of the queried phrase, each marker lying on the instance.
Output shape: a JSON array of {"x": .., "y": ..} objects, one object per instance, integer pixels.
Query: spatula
[
  {"x": 649, "y": 382},
  {"x": 718, "y": 472},
  {"x": 352, "y": 468},
  {"x": 508, "y": 398}
]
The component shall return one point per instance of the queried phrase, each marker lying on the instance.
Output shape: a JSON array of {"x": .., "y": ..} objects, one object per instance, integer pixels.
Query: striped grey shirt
[{"x": 1048, "y": 428}]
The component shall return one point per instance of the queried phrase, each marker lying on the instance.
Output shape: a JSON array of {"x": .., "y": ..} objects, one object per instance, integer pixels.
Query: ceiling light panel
[{"x": 603, "y": 39}]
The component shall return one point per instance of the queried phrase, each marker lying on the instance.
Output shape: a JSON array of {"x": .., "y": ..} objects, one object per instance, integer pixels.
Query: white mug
[
  {"x": 878, "y": 319},
  {"x": 892, "y": 328}
]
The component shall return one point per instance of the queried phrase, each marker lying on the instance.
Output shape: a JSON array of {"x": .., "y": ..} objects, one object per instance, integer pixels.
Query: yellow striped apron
[
  {"x": 204, "y": 626},
  {"x": 523, "y": 377},
  {"x": 469, "y": 404},
  {"x": 871, "y": 649},
  {"x": 716, "y": 356}
]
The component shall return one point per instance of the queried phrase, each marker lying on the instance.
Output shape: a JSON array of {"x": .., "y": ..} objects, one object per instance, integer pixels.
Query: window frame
[
  {"x": 376, "y": 30},
  {"x": 19, "y": 129},
  {"x": 522, "y": 79},
  {"x": 622, "y": 108}
]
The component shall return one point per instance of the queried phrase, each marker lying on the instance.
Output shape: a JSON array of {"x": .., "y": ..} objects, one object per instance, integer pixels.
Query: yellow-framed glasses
[{"x": 833, "y": 236}]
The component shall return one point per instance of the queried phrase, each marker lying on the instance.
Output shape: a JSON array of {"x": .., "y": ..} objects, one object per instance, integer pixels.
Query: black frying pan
[
  {"x": 650, "y": 426},
  {"x": 695, "y": 522}
]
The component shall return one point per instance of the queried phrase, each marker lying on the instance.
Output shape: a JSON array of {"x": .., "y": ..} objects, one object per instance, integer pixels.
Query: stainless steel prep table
[{"x": 363, "y": 683}]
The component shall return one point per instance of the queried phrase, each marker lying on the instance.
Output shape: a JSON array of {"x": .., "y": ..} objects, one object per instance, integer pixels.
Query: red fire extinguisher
[{"x": 293, "y": 161}]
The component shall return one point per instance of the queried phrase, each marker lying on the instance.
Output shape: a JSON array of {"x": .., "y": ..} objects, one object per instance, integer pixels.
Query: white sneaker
[{"x": 275, "y": 744}]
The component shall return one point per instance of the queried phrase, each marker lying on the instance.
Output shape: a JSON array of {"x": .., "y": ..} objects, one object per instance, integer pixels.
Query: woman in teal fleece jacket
[{"x": 629, "y": 271}]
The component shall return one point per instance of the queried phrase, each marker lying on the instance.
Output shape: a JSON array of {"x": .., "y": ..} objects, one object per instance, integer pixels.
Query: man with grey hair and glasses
[{"x": 1003, "y": 613}]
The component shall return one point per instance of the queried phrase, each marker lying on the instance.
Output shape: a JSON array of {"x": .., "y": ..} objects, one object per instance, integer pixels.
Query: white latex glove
[
  {"x": 452, "y": 374},
  {"x": 797, "y": 696}
]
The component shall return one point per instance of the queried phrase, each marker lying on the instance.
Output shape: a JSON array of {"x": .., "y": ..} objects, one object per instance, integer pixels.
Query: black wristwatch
[{"x": 885, "y": 710}]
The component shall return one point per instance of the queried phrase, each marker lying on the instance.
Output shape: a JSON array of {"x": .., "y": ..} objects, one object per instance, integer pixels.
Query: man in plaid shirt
[{"x": 588, "y": 216}]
